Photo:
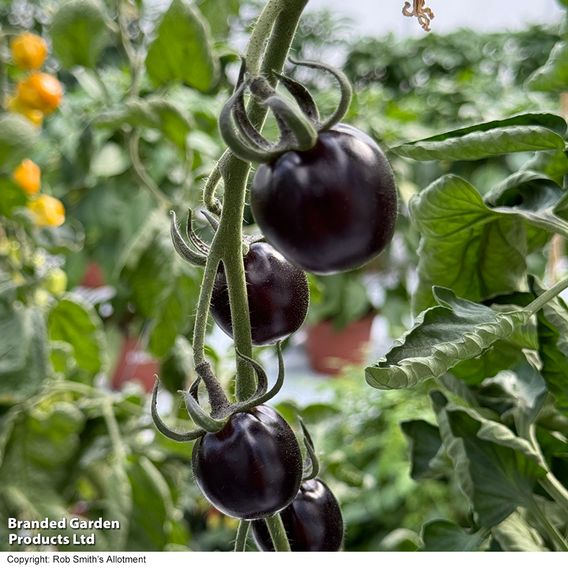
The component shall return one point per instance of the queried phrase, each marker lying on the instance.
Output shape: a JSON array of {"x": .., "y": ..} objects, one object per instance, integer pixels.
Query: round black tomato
[
  {"x": 277, "y": 293},
  {"x": 331, "y": 208},
  {"x": 313, "y": 521},
  {"x": 252, "y": 468}
]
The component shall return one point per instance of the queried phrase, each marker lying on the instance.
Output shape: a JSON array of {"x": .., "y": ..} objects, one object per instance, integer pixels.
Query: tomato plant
[{"x": 99, "y": 140}]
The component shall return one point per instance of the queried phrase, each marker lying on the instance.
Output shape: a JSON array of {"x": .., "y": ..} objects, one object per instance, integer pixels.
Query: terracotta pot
[
  {"x": 93, "y": 277},
  {"x": 330, "y": 350},
  {"x": 135, "y": 364}
]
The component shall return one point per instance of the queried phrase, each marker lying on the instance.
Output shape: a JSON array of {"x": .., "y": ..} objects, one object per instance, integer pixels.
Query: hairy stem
[
  {"x": 545, "y": 297},
  {"x": 278, "y": 533},
  {"x": 242, "y": 535},
  {"x": 279, "y": 19}
]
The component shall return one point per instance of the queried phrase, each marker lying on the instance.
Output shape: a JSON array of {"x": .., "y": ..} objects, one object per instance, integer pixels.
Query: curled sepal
[
  {"x": 345, "y": 91},
  {"x": 199, "y": 416},
  {"x": 302, "y": 96},
  {"x": 182, "y": 248},
  {"x": 257, "y": 400},
  {"x": 211, "y": 220},
  {"x": 234, "y": 140},
  {"x": 245, "y": 127},
  {"x": 165, "y": 430},
  {"x": 311, "y": 465},
  {"x": 192, "y": 237},
  {"x": 289, "y": 119},
  {"x": 194, "y": 389}
]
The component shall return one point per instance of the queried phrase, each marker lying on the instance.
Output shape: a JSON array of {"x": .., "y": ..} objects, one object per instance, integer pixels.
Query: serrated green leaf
[
  {"x": 181, "y": 51},
  {"x": 79, "y": 33},
  {"x": 466, "y": 241},
  {"x": 156, "y": 113},
  {"x": 17, "y": 138},
  {"x": 151, "y": 506},
  {"x": 522, "y": 133},
  {"x": 76, "y": 323},
  {"x": 425, "y": 443},
  {"x": 442, "y": 336},
  {"x": 175, "y": 370},
  {"x": 551, "y": 164},
  {"x": 445, "y": 536},
  {"x": 24, "y": 361},
  {"x": 553, "y": 75},
  {"x": 175, "y": 313},
  {"x": 496, "y": 470},
  {"x": 219, "y": 13},
  {"x": 552, "y": 327},
  {"x": 514, "y": 534}
]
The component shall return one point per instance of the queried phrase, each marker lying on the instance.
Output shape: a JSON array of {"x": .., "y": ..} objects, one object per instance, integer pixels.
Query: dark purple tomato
[
  {"x": 313, "y": 521},
  {"x": 331, "y": 208},
  {"x": 252, "y": 468},
  {"x": 277, "y": 294}
]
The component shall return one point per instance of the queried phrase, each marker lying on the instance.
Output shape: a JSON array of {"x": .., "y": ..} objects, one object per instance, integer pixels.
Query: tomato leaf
[
  {"x": 425, "y": 443},
  {"x": 552, "y": 330},
  {"x": 466, "y": 240},
  {"x": 23, "y": 351},
  {"x": 553, "y": 75},
  {"x": 514, "y": 534},
  {"x": 75, "y": 322},
  {"x": 522, "y": 133},
  {"x": 156, "y": 113},
  {"x": 17, "y": 138},
  {"x": 453, "y": 331},
  {"x": 181, "y": 51},
  {"x": 495, "y": 469},
  {"x": 445, "y": 536},
  {"x": 79, "y": 33}
]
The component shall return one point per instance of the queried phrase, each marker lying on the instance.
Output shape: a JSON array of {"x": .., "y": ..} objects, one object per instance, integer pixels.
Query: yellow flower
[
  {"x": 47, "y": 211},
  {"x": 34, "y": 116},
  {"x": 28, "y": 51},
  {"x": 40, "y": 91},
  {"x": 28, "y": 176}
]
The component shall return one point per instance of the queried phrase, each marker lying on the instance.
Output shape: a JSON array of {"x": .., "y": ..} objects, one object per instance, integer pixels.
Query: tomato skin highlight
[
  {"x": 252, "y": 468},
  {"x": 313, "y": 521},
  {"x": 277, "y": 293},
  {"x": 331, "y": 208}
]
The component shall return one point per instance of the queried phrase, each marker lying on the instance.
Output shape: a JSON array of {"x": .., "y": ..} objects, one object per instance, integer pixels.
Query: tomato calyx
[
  {"x": 221, "y": 408},
  {"x": 299, "y": 129}
]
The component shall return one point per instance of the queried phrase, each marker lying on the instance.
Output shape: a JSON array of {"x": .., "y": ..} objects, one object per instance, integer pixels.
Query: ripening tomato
[
  {"x": 28, "y": 176},
  {"x": 277, "y": 292},
  {"x": 29, "y": 51},
  {"x": 313, "y": 521},
  {"x": 331, "y": 208},
  {"x": 47, "y": 211},
  {"x": 252, "y": 468},
  {"x": 40, "y": 91}
]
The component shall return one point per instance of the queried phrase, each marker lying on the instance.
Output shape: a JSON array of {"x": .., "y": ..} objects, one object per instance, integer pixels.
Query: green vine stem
[
  {"x": 242, "y": 535},
  {"x": 278, "y": 533},
  {"x": 549, "y": 483},
  {"x": 277, "y": 22},
  {"x": 545, "y": 297}
]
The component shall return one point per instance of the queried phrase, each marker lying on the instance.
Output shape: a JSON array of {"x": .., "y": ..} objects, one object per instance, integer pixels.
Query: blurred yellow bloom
[
  {"x": 47, "y": 211},
  {"x": 34, "y": 116},
  {"x": 40, "y": 91},
  {"x": 28, "y": 176},
  {"x": 28, "y": 51}
]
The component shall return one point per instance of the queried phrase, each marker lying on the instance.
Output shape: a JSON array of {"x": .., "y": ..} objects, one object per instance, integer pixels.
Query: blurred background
[{"x": 94, "y": 301}]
